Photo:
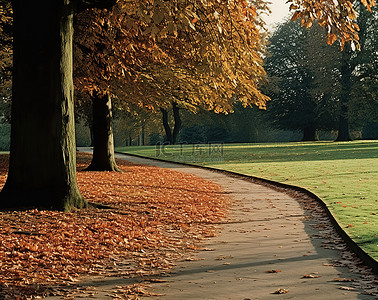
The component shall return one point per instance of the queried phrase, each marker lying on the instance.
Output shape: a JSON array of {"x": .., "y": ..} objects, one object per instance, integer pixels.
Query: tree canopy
[{"x": 153, "y": 53}]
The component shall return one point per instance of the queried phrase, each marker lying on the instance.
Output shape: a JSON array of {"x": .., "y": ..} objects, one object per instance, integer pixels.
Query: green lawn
[{"x": 344, "y": 175}]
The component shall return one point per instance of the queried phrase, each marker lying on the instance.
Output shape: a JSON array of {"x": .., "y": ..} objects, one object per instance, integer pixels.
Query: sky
[{"x": 280, "y": 10}]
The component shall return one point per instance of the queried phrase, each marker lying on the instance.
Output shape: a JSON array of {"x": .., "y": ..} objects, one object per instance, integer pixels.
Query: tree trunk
[
  {"x": 42, "y": 170},
  {"x": 310, "y": 134},
  {"x": 103, "y": 142},
  {"x": 343, "y": 133},
  {"x": 177, "y": 118},
  {"x": 167, "y": 128},
  {"x": 143, "y": 135},
  {"x": 91, "y": 134},
  {"x": 346, "y": 82}
]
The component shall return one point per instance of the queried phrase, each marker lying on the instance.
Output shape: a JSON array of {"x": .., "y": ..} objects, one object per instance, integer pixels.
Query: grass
[{"x": 343, "y": 174}]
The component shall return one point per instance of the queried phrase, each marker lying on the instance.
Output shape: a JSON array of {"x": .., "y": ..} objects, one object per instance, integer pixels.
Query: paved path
[
  {"x": 267, "y": 230},
  {"x": 270, "y": 241}
]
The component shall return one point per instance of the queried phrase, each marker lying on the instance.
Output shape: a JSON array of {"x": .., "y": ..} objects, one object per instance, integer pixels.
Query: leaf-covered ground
[{"x": 156, "y": 217}]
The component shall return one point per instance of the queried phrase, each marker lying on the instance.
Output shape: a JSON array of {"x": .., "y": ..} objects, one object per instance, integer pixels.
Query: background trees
[
  {"x": 317, "y": 87},
  {"x": 303, "y": 80},
  {"x": 358, "y": 77}
]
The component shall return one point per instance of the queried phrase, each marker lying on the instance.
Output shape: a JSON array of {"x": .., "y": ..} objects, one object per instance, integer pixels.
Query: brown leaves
[
  {"x": 156, "y": 214},
  {"x": 273, "y": 271},
  {"x": 200, "y": 54},
  {"x": 343, "y": 279},
  {"x": 281, "y": 291},
  {"x": 133, "y": 291},
  {"x": 310, "y": 276},
  {"x": 337, "y": 17}
]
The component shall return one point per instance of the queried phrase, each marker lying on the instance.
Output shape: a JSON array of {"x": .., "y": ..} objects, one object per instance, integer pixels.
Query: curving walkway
[{"x": 271, "y": 242}]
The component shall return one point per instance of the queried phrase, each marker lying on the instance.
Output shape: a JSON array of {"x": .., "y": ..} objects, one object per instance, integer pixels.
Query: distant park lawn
[{"x": 343, "y": 174}]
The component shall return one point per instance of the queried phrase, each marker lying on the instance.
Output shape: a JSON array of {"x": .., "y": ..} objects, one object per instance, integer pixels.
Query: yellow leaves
[
  {"x": 293, "y": 7},
  {"x": 368, "y": 4},
  {"x": 209, "y": 51},
  {"x": 191, "y": 24},
  {"x": 216, "y": 15},
  {"x": 295, "y": 16},
  {"x": 306, "y": 23},
  {"x": 338, "y": 17},
  {"x": 331, "y": 38}
]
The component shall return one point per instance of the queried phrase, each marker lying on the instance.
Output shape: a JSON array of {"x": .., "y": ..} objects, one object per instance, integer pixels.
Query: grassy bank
[{"x": 344, "y": 175}]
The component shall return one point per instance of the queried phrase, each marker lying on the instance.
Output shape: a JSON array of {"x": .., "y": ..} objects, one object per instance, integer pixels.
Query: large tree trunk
[
  {"x": 177, "y": 118},
  {"x": 310, "y": 134},
  {"x": 42, "y": 170},
  {"x": 171, "y": 136},
  {"x": 91, "y": 134},
  {"x": 103, "y": 142},
  {"x": 346, "y": 82},
  {"x": 343, "y": 133},
  {"x": 167, "y": 128}
]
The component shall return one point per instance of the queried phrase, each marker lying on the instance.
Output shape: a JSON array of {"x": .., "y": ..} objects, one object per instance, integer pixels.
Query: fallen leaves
[
  {"x": 156, "y": 217},
  {"x": 343, "y": 279},
  {"x": 346, "y": 288},
  {"x": 133, "y": 291},
  {"x": 310, "y": 276},
  {"x": 281, "y": 291}
]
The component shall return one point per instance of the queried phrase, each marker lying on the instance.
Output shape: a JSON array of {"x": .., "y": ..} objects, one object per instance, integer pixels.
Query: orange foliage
[
  {"x": 200, "y": 54},
  {"x": 338, "y": 17},
  {"x": 155, "y": 216}
]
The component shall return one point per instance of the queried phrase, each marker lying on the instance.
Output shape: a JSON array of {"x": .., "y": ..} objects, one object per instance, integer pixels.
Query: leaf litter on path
[{"x": 155, "y": 218}]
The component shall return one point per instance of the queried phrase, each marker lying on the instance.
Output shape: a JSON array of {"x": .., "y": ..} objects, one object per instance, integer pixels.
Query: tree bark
[
  {"x": 42, "y": 170},
  {"x": 343, "y": 132},
  {"x": 310, "y": 134},
  {"x": 167, "y": 128},
  {"x": 177, "y": 119},
  {"x": 103, "y": 141},
  {"x": 346, "y": 82},
  {"x": 91, "y": 134},
  {"x": 143, "y": 135}
]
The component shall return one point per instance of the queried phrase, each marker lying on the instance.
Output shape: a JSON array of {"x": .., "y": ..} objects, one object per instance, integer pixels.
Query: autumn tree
[
  {"x": 215, "y": 32},
  {"x": 169, "y": 55},
  {"x": 42, "y": 169},
  {"x": 105, "y": 64}
]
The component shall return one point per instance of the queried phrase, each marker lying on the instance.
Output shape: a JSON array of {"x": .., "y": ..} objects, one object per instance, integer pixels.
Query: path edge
[{"x": 365, "y": 257}]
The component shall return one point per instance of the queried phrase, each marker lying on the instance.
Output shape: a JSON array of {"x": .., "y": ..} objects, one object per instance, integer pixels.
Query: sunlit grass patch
[{"x": 344, "y": 175}]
